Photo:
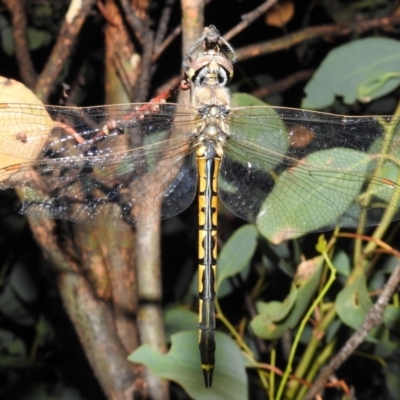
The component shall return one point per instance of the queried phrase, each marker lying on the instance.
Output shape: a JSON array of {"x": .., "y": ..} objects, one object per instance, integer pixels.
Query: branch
[
  {"x": 170, "y": 38},
  {"x": 26, "y": 68},
  {"x": 143, "y": 85},
  {"x": 92, "y": 316},
  {"x": 342, "y": 29},
  {"x": 138, "y": 26},
  {"x": 192, "y": 22},
  {"x": 74, "y": 19},
  {"x": 372, "y": 319},
  {"x": 192, "y": 29},
  {"x": 249, "y": 18},
  {"x": 283, "y": 84},
  {"x": 160, "y": 47},
  {"x": 103, "y": 11},
  {"x": 141, "y": 29},
  {"x": 163, "y": 23}
]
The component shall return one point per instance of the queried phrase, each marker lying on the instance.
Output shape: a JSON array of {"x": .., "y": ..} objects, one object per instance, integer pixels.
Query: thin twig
[
  {"x": 137, "y": 25},
  {"x": 283, "y": 84},
  {"x": 160, "y": 48},
  {"x": 67, "y": 37},
  {"x": 303, "y": 35},
  {"x": 141, "y": 28},
  {"x": 372, "y": 319},
  {"x": 163, "y": 23},
  {"x": 170, "y": 38},
  {"x": 249, "y": 18},
  {"x": 25, "y": 64}
]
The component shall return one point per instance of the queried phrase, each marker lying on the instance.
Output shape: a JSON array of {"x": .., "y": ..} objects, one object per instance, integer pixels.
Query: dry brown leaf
[
  {"x": 23, "y": 132},
  {"x": 281, "y": 14}
]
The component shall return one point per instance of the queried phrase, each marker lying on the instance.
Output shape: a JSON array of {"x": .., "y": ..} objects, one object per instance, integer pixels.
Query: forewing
[
  {"x": 333, "y": 172},
  {"x": 105, "y": 165}
]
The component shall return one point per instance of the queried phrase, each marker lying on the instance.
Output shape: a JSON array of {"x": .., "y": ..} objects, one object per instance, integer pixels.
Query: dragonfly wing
[
  {"x": 106, "y": 165},
  {"x": 329, "y": 175},
  {"x": 249, "y": 156}
]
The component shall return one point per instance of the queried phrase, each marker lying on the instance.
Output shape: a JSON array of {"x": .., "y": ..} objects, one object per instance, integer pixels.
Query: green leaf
[
  {"x": 392, "y": 373},
  {"x": 364, "y": 70},
  {"x": 13, "y": 307},
  {"x": 182, "y": 365},
  {"x": 341, "y": 262},
  {"x": 332, "y": 331},
  {"x": 246, "y": 100},
  {"x": 236, "y": 255},
  {"x": 7, "y": 40},
  {"x": 276, "y": 310},
  {"x": 13, "y": 351},
  {"x": 377, "y": 81},
  {"x": 391, "y": 317},
  {"x": 353, "y": 302},
  {"x": 383, "y": 345},
  {"x": 23, "y": 283},
  {"x": 275, "y": 256},
  {"x": 389, "y": 170},
  {"x": 178, "y": 319},
  {"x": 44, "y": 330},
  {"x": 38, "y": 38},
  {"x": 269, "y": 324},
  {"x": 312, "y": 196}
]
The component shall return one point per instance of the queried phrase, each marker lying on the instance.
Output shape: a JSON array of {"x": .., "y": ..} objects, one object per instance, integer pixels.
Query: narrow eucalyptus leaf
[
  {"x": 305, "y": 283},
  {"x": 353, "y": 302},
  {"x": 237, "y": 252}
]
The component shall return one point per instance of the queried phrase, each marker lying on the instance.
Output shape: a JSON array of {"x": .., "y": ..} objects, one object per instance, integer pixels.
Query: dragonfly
[{"x": 289, "y": 171}]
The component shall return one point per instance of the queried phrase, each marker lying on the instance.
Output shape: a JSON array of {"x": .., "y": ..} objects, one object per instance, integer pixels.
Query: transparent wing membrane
[
  {"x": 282, "y": 169},
  {"x": 304, "y": 171},
  {"x": 102, "y": 165}
]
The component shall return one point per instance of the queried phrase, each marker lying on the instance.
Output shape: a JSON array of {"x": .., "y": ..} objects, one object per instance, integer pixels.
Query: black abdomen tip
[{"x": 208, "y": 376}]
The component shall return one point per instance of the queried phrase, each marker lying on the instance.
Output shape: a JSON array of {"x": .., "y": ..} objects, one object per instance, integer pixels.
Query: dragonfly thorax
[
  {"x": 212, "y": 126},
  {"x": 209, "y": 95}
]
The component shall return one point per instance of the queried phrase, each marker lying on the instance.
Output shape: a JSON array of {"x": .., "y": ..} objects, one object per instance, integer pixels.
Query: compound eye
[
  {"x": 200, "y": 63},
  {"x": 226, "y": 65}
]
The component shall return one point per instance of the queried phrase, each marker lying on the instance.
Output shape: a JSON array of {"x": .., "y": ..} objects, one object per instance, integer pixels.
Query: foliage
[{"x": 347, "y": 72}]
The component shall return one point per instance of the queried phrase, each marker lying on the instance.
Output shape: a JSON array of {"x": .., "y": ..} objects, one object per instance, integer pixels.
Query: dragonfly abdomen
[{"x": 208, "y": 163}]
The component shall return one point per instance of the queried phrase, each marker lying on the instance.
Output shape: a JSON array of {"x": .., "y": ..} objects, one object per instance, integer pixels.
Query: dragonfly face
[
  {"x": 210, "y": 63},
  {"x": 288, "y": 171},
  {"x": 210, "y": 41}
]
